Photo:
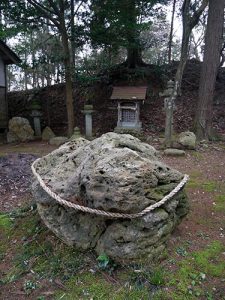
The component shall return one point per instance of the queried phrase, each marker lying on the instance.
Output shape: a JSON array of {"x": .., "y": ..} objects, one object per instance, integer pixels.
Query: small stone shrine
[{"x": 129, "y": 99}]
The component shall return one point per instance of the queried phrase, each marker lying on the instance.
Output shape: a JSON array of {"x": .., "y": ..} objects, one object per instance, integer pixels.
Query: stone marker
[
  {"x": 19, "y": 130},
  {"x": 174, "y": 152},
  {"x": 58, "y": 140},
  {"x": 47, "y": 134},
  {"x": 113, "y": 173}
]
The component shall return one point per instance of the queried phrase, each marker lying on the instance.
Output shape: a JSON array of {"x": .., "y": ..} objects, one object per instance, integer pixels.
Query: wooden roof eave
[
  {"x": 8, "y": 56},
  {"x": 127, "y": 93}
]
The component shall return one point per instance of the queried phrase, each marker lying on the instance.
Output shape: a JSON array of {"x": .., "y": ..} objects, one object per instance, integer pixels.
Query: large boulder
[
  {"x": 114, "y": 173},
  {"x": 19, "y": 130}
]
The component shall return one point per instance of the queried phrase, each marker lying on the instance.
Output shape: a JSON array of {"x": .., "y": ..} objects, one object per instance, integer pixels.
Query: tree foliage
[
  {"x": 57, "y": 15},
  {"x": 120, "y": 23},
  {"x": 128, "y": 32}
]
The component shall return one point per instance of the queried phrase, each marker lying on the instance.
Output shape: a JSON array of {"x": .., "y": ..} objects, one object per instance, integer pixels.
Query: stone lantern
[
  {"x": 36, "y": 116},
  {"x": 88, "y": 111}
]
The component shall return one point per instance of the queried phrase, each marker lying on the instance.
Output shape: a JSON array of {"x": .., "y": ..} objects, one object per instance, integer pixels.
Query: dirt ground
[
  {"x": 207, "y": 180},
  {"x": 15, "y": 172},
  {"x": 204, "y": 223}
]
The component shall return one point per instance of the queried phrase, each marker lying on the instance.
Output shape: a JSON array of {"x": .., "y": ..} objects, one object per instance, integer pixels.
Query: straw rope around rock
[{"x": 101, "y": 212}]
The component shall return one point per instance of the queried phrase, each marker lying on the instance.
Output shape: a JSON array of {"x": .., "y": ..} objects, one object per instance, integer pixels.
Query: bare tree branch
[
  {"x": 79, "y": 6},
  {"x": 36, "y": 3},
  {"x": 222, "y": 54},
  {"x": 54, "y": 6},
  {"x": 196, "y": 16},
  {"x": 45, "y": 11}
]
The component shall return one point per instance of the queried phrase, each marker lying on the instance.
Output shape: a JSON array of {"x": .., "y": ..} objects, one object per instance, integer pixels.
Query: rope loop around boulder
[{"x": 101, "y": 212}]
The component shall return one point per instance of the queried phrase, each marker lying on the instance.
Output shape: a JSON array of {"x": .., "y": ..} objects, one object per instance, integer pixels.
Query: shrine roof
[
  {"x": 129, "y": 93},
  {"x": 7, "y": 55}
]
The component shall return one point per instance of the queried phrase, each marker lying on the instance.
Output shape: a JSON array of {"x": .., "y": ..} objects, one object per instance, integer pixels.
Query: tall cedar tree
[
  {"x": 171, "y": 32},
  {"x": 211, "y": 62},
  {"x": 118, "y": 23},
  {"x": 190, "y": 19},
  {"x": 56, "y": 12}
]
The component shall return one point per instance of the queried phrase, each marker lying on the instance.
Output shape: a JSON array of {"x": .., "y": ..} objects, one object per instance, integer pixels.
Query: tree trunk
[
  {"x": 25, "y": 72},
  {"x": 195, "y": 44},
  {"x": 189, "y": 22},
  {"x": 134, "y": 57},
  {"x": 73, "y": 33},
  {"x": 133, "y": 44},
  {"x": 48, "y": 73},
  {"x": 213, "y": 45},
  {"x": 183, "y": 59},
  {"x": 59, "y": 8},
  {"x": 34, "y": 82},
  {"x": 57, "y": 72},
  {"x": 25, "y": 79},
  {"x": 68, "y": 79},
  {"x": 171, "y": 32},
  {"x": 42, "y": 80}
]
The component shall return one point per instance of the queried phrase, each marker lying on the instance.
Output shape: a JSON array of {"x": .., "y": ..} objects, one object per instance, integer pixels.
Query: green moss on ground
[
  {"x": 197, "y": 155},
  {"x": 34, "y": 247},
  {"x": 37, "y": 252},
  {"x": 206, "y": 185},
  {"x": 95, "y": 286},
  {"x": 193, "y": 271},
  {"x": 220, "y": 203},
  {"x": 6, "y": 224}
]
